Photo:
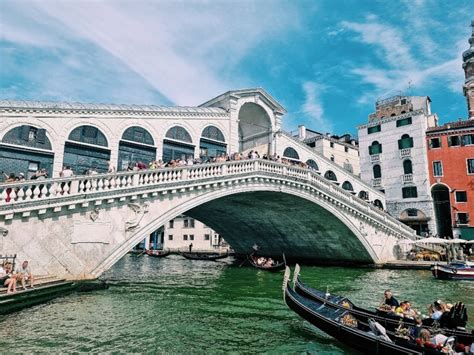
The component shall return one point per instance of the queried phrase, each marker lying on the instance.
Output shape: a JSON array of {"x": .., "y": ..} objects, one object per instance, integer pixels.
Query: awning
[{"x": 467, "y": 233}]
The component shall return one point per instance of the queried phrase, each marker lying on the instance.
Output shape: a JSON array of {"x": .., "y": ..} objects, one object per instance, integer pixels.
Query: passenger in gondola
[
  {"x": 269, "y": 262},
  {"x": 261, "y": 261},
  {"x": 436, "y": 310},
  {"x": 390, "y": 302}
]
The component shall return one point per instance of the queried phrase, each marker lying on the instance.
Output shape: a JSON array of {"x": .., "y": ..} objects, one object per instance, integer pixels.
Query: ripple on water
[{"x": 173, "y": 305}]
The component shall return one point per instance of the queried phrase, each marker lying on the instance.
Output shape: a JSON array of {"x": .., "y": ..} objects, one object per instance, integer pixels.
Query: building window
[
  {"x": 407, "y": 167},
  {"x": 206, "y": 236},
  {"x": 437, "y": 168},
  {"x": 468, "y": 139},
  {"x": 435, "y": 143},
  {"x": 409, "y": 192},
  {"x": 404, "y": 122},
  {"x": 454, "y": 141},
  {"x": 412, "y": 212},
  {"x": 462, "y": 218},
  {"x": 374, "y": 129},
  {"x": 185, "y": 237},
  {"x": 405, "y": 142},
  {"x": 461, "y": 196},
  {"x": 185, "y": 223},
  {"x": 191, "y": 223},
  {"x": 377, "y": 171},
  {"x": 191, "y": 237},
  {"x": 170, "y": 236},
  {"x": 346, "y": 149},
  {"x": 332, "y": 157},
  {"x": 331, "y": 144},
  {"x": 171, "y": 224},
  {"x": 470, "y": 166},
  {"x": 375, "y": 148}
]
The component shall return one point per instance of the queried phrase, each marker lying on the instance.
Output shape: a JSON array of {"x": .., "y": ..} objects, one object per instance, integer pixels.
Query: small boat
[
  {"x": 272, "y": 266},
  {"x": 203, "y": 256},
  {"x": 158, "y": 253},
  {"x": 455, "y": 270},
  {"x": 386, "y": 319},
  {"x": 367, "y": 337}
]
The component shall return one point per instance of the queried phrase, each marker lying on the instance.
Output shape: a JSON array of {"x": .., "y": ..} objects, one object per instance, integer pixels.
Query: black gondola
[
  {"x": 369, "y": 338},
  {"x": 203, "y": 256},
  {"x": 158, "y": 253},
  {"x": 276, "y": 266},
  {"x": 389, "y": 321}
]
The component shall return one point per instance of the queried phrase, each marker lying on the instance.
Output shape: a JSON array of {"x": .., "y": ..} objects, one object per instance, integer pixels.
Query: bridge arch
[
  {"x": 291, "y": 153},
  {"x": 265, "y": 198}
]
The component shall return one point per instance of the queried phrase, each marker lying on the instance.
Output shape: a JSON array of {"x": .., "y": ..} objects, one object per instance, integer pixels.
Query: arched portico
[{"x": 255, "y": 128}]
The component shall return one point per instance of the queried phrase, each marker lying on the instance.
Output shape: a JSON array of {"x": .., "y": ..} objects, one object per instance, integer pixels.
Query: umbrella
[{"x": 431, "y": 240}]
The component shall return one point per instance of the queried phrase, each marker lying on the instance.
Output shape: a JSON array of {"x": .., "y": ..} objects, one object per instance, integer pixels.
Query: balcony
[
  {"x": 377, "y": 182},
  {"x": 405, "y": 153},
  {"x": 407, "y": 178},
  {"x": 375, "y": 158}
]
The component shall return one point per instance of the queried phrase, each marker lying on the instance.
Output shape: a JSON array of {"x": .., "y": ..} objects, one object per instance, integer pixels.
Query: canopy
[{"x": 431, "y": 240}]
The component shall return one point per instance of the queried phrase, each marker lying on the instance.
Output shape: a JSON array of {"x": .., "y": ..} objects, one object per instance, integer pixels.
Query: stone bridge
[{"x": 79, "y": 227}]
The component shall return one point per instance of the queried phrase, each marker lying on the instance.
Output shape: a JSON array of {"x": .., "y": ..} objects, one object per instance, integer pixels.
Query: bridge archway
[
  {"x": 315, "y": 231},
  {"x": 255, "y": 128}
]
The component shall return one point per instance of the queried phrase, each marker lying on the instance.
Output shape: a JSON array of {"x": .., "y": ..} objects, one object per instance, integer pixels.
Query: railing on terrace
[
  {"x": 49, "y": 190},
  {"x": 406, "y": 152},
  {"x": 407, "y": 178},
  {"x": 375, "y": 158}
]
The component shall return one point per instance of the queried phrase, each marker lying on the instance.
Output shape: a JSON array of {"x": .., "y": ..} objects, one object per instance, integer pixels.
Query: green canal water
[{"x": 173, "y": 305}]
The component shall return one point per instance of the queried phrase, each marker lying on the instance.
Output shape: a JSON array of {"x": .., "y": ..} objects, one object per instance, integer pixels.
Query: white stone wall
[
  {"x": 338, "y": 151},
  {"x": 391, "y": 162}
]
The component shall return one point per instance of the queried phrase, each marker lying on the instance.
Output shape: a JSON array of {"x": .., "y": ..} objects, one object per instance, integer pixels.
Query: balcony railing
[
  {"x": 407, "y": 178},
  {"x": 375, "y": 158},
  {"x": 406, "y": 152},
  {"x": 377, "y": 182}
]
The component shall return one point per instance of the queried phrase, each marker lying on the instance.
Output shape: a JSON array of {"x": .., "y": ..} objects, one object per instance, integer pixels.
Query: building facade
[
  {"x": 342, "y": 150},
  {"x": 50, "y": 135},
  {"x": 451, "y": 164},
  {"x": 392, "y": 148}
]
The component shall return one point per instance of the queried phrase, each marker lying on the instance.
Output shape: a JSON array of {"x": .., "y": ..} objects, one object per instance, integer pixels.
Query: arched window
[
  {"x": 346, "y": 185},
  {"x": 136, "y": 146},
  {"x": 407, "y": 167},
  {"x": 378, "y": 204},
  {"x": 348, "y": 166},
  {"x": 375, "y": 148},
  {"x": 214, "y": 133},
  {"x": 177, "y": 144},
  {"x": 363, "y": 195},
  {"x": 330, "y": 175},
  {"x": 139, "y": 135},
  {"x": 405, "y": 142},
  {"x": 377, "y": 171},
  {"x": 179, "y": 133},
  {"x": 212, "y": 143},
  {"x": 312, "y": 164},
  {"x": 291, "y": 153},
  {"x": 88, "y": 134}
]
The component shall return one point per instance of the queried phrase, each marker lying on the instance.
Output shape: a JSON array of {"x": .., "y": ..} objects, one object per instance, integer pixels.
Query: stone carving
[
  {"x": 94, "y": 214},
  {"x": 3, "y": 232},
  {"x": 139, "y": 211}
]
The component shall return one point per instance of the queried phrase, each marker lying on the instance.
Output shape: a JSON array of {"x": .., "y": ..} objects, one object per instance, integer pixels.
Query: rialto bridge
[{"x": 80, "y": 226}]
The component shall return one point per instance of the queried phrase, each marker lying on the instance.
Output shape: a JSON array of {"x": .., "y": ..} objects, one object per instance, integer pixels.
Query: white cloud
[
  {"x": 313, "y": 108},
  {"x": 183, "y": 49}
]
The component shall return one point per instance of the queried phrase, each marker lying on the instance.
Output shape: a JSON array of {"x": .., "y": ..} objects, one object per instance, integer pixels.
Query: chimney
[{"x": 301, "y": 132}]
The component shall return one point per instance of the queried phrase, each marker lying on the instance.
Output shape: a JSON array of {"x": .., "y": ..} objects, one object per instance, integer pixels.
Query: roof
[
  {"x": 248, "y": 92},
  {"x": 452, "y": 126},
  {"x": 77, "y": 106}
]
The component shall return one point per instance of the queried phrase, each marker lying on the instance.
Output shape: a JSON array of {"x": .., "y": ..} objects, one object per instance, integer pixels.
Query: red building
[
  {"x": 451, "y": 171},
  {"x": 451, "y": 164}
]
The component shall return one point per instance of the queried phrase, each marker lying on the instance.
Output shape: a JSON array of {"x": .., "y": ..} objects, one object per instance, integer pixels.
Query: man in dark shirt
[{"x": 390, "y": 300}]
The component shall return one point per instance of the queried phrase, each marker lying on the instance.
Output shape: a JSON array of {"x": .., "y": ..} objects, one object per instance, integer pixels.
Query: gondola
[
  {"x": 203, "y": 256},
  {"x": 389, "y": 321},
  {"x": 367, "y": 337},
  {"x": 158, "y": 253},
  {"x": 276, "y": 266}
]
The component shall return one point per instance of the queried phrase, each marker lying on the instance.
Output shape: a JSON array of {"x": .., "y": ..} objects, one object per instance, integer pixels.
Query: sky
[{"x": 326, "y": 62}]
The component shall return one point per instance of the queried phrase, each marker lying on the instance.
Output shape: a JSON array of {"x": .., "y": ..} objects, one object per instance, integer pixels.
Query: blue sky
[{"x": 326, "y": 62}]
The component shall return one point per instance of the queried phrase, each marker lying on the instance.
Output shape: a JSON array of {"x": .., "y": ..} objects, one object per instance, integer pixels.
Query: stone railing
[
  {"x": 407, "y": 178},
  {"x": 40, "y": 194},
  {"x": 375, "y": 158},
  {"x": 406, "y": 152}
]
